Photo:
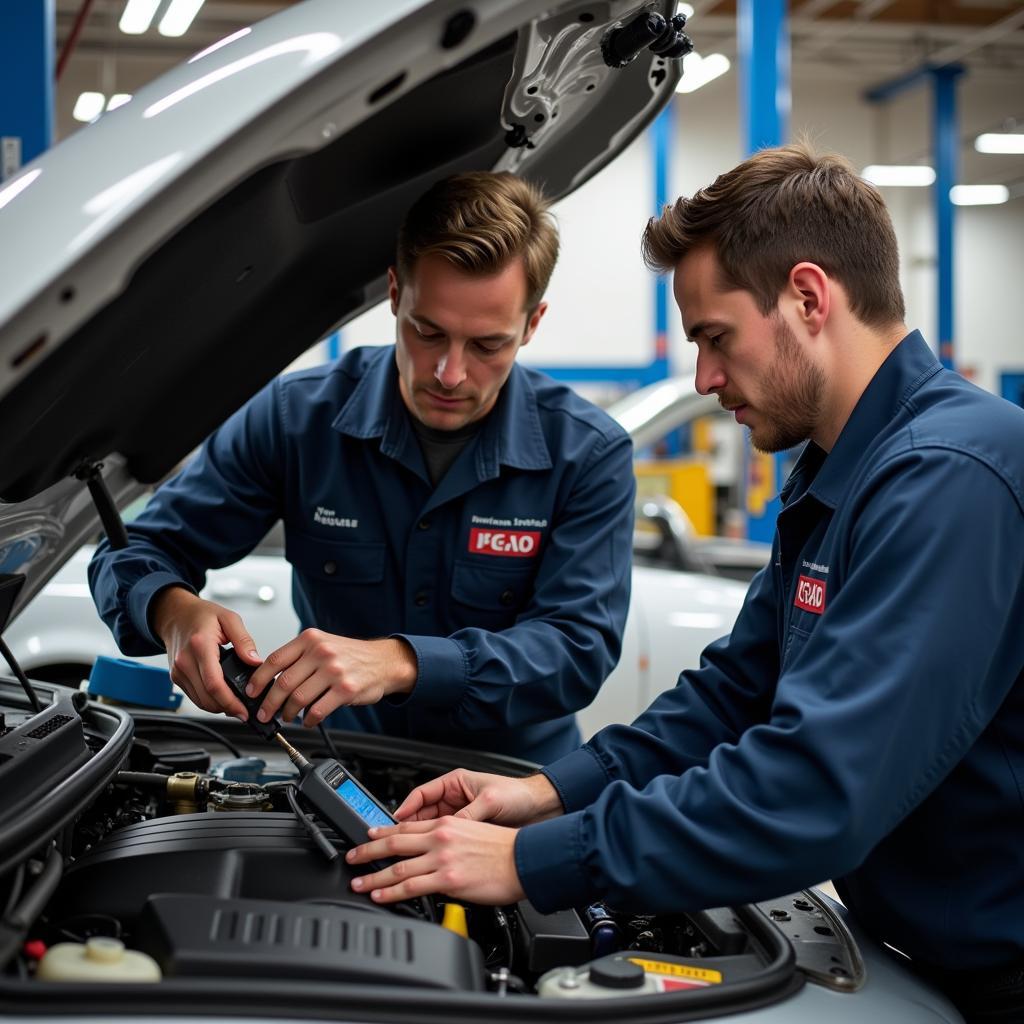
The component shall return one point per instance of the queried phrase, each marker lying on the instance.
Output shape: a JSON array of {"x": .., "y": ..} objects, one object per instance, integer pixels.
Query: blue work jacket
[
  {"x": 865, "y": 719},
  {"x": 510, "y": 579}
]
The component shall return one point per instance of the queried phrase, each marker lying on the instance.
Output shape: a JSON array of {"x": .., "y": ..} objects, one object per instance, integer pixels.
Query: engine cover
[
  {"x": 194, "y": 936},
  {"x": 260, "y": 855},
  {"x": 249, "y": 895}
]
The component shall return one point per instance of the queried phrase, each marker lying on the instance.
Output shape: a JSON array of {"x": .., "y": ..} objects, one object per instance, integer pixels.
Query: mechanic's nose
[
  {"x": 710, "y": 375},
  {"x": 450, "y": 371}
]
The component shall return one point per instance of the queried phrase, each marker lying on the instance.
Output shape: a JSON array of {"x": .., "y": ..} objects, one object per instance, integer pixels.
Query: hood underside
[{"x": 252, "y": 239}]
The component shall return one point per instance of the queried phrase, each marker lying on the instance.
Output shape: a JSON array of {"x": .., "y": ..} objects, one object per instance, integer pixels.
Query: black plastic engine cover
[
  {"x": 262, "y": 855},
  {"x": 194, "y": 936}
]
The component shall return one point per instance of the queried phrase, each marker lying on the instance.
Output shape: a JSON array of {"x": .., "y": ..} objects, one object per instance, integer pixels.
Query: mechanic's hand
[
  {"x": 192, "y": 630},
  {"x": 319, "y": 671},
  {"x": 467, "y": 860},
  {"x": 483, "y": 797}
]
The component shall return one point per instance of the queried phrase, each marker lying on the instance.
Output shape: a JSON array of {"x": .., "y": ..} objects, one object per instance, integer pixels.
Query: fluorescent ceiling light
[
  {"x": 89, "y": 106},
  {"x": 1000, "y": 142},
  {"x": 979, "y": 195},
  {"x": 119, "y": 99},
  {"x": 178, "y": 17},
  {"x": 913, "y": 175},
  {"x": 137, "y": 16},
  {"x": 698, "y": 70}
]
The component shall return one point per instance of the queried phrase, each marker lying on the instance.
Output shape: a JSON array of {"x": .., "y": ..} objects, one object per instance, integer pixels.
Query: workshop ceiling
[
  {"x": 877, "y": 32},
  {"x": 857, "y": 42}
]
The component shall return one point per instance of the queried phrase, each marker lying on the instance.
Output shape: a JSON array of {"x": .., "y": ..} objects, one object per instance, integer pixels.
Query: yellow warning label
[{"x": 679, "y": 970}]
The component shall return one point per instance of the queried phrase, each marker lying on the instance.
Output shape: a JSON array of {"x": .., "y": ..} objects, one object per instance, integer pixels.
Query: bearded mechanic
[
  {"x": 459, "y": 526},
  {"x": 865, "y": 719}
]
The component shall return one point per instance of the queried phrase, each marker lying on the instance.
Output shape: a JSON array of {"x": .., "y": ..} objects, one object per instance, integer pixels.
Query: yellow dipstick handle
[{"x": 455, "y": 919}]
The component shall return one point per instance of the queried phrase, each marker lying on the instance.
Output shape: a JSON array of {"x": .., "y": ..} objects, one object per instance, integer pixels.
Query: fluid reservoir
[
  {"x": 633, "y": 974},
  {"x": 610, "y": 978},
  {"x": 98, "y": 959}
]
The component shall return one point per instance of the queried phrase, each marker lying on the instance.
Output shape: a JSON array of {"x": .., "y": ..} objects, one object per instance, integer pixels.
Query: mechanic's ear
[
  {"x": 393, "y": 289},
  {"x": 533, "y": 321},
  {"x": 809, "y": 293}
]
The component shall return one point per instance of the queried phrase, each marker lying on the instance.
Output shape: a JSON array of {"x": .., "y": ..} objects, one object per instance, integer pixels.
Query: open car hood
[{"x": 174, "y": 256}]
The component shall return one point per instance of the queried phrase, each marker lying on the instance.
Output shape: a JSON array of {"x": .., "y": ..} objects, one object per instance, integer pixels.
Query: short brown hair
[
  {"x": 481, "y": 221},
  {"x": 778, "y": 208}
]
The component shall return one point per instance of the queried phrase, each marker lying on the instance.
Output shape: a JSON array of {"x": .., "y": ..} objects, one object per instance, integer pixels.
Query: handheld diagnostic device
[
  {"x": 342, "y": 801},
  {"x": 339, "y": 798},
  {"x": 236, "y": 675}
]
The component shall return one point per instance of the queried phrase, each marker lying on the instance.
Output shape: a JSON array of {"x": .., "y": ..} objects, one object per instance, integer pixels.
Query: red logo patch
[
  {"x": 507, "y": 543},
  {"x": 810, "y": 595}
]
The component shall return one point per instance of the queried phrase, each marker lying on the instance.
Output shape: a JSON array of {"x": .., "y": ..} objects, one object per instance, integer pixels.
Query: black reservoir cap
[{"x": 616, "y": 972}]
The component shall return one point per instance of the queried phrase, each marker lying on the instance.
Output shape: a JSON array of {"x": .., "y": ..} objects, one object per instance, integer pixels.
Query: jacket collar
[
  {"x": 905, "y": 369},
  {"x": 511, "y": 434}
]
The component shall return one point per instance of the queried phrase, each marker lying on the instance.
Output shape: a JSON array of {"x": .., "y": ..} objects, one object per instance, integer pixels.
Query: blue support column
[
  {"x": 763, "y": 45},
  {"x": 945, "y": 128},
  {"x": 945, "y": 150},
  {"x": 661, "y": 145},
  {"x": 27, "y": 44},
  {"x": 763, "y": 38}
]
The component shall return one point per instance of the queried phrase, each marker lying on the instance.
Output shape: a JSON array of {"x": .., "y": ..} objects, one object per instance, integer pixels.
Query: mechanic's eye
[
  {"x": 489, "y": 350},
  {"x": 426, "y": 334}
]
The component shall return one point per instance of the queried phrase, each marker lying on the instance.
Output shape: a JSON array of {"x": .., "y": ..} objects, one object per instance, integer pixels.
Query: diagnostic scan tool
[{"x": 338, "y": 797}]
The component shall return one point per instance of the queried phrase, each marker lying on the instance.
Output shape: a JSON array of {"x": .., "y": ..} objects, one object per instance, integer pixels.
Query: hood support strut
[{"x": 92, "y": 474}]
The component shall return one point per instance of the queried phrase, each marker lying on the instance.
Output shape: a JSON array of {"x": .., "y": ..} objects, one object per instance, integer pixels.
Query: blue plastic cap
[{"x": 133, "y": 683}]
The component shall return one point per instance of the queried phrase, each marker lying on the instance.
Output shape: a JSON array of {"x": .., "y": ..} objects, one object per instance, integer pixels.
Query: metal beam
[
  {"x": 26, "y": 81},
  {"x": 976, "y": 40},
  {"x": 946, "y": 134},
  {"x": 865, "y": 11},
  {"x": 945, "y": 156},
  {"x": 763, "y": 41}
]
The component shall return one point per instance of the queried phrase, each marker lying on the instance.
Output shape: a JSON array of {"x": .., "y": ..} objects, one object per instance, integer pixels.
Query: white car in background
[
  {"x": 673, "y": 615},
  {"x": 686, "y": 591}
]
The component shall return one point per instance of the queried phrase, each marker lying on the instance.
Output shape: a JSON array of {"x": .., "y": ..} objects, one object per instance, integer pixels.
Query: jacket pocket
[
  {"x": 340, "y": 586},
  {"x": 334, "y": 561},
  {"x": 492, "y": 596},
  {"x": 796, "y": 638}
]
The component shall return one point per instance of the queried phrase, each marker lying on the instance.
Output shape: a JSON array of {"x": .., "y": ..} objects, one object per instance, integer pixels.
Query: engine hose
[{"x": 15, "y": 925}]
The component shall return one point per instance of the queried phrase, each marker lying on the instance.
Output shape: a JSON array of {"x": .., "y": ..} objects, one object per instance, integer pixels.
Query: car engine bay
[{"x": 131, "y": 834}]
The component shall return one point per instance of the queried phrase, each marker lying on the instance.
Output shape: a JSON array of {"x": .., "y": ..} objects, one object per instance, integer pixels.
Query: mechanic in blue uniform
[
  {"x": 459, "y": 526},
  {"x": 865, "y": 719}
]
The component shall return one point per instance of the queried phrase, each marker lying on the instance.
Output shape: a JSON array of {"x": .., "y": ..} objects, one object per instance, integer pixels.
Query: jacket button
[
  {"x": 330, "y": 568},
  {"x": 421, "y": 599},
  {"x": 508, "y": 598},
  {"x": 423, "y": 524}
]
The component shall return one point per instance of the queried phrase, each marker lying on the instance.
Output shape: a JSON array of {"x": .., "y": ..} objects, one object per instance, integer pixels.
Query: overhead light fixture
[
  {"x": 119, "y": 99},
  {"x": 685, "y": 9},
  {"x": 1000, "y": 142},
  {"x": 979, "y": 195},
  {"x": 178, "y": 17},
  {"x": 137, "y": 16},
  {"x": 89, "y": 106},
  {"x": 900, "y": 175},
  {"x": 698, "y": 70}
]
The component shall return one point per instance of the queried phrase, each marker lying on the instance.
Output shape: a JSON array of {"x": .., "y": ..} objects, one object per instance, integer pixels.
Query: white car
[
  {"x": 160, "y": 266},
  {"x": 673, "y": 616},
  {"x": 684, "y": 590}
]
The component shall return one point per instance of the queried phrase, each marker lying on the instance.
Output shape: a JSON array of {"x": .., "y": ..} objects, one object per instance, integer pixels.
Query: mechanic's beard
[{"x": 793, "y": 389}]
